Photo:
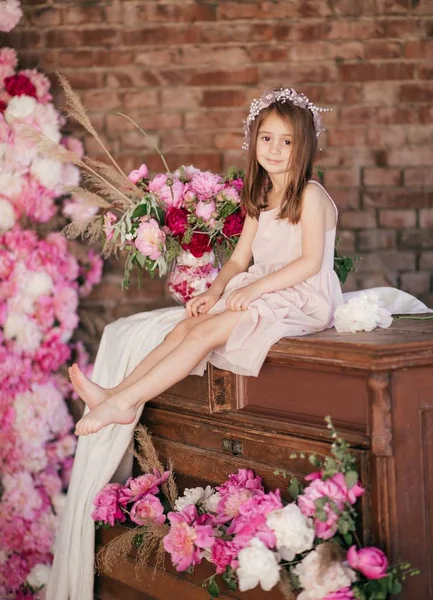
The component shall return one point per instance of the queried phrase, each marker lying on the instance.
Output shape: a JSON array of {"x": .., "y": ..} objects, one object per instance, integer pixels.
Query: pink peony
[
  {"x": 223, "y": 553},
  {"x": 370, "y": 561},
  {"x": 107, "y": 505},
  {"x": 148, "y": 507},
  {"x": 168, "y": 189},
  {"x": 238, "y": 184},
  {"x": 41, "y": 83},
  {"x": 150, "y": 239},
  {"x": 136, "y": 488},
  {"x": 10, "y": 14},
  {"x": 206, "y": 185},
  {"x": 109, "y": 220},
  {"x": 343, "y": 594},
  {"x": 141, "y": 173},
  {"x": 327, "y": 529},
  {"x": 186, "y": 538},
  {"x": 8, "y": 62},
  {"x": 244, "y": 478},
  {"x": 204, "y": 210}
]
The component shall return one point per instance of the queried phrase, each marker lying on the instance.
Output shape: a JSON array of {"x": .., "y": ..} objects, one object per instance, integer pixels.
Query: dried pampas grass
[
  {"x": 148, "y": 460},
  {"x": 119, "y": 549}
]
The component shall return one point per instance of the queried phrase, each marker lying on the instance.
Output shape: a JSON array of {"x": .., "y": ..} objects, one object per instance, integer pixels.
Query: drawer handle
[{"x": 233, "y": 446}]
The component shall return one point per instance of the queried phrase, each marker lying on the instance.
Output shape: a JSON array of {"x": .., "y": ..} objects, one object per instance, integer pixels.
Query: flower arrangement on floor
[
  {"x": 308, "y": 547},
  {"x": 180, "y": 221},
  {"x": 41, "y": 282}
]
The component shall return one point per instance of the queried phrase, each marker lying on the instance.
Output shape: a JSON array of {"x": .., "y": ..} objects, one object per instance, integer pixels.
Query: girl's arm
[
  {"x": 313, "y": 244},
  {"x": 240, "y": 259}
]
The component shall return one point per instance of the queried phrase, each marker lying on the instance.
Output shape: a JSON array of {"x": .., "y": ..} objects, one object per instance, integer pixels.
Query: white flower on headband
[{"x": 282, "y": 95}]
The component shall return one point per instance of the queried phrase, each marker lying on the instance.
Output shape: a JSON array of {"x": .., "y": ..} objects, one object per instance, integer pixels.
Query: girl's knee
[{"x": 179, "y": 332}]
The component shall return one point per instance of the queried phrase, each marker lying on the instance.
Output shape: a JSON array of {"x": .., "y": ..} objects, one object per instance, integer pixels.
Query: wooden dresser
[{"x": 378, "y": 389}]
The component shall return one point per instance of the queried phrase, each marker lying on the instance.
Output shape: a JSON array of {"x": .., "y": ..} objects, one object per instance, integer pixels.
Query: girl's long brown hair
[{"x": 300, "y": 167}]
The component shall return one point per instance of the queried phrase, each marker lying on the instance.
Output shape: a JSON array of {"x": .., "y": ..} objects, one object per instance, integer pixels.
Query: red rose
[
  {"x": 19, "y": 85},
  {"x": 199, "y": 244},
  {"x": 176, "y": 220},
  {"x": 233, "y": 224}
]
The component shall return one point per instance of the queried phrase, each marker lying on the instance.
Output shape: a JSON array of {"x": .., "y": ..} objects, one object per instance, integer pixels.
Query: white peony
[
  {"x": 20, "y": 107},
  {"x": 211, "y": 504},
  {"x": 25, "y": 331},
  {"x": 47, "y": 120},
  {"x": 257, "y": 565},
  {"x": 7, "y": 216},
  {"x": 39, "y": 575},
  {"x": 11, "y": 184},
  {"x": 38, "y": 284},
  {"x": 364, "y": 312},
  {"x": 193, "y": 496},
  {"x": 317, "y": 582},
  {"x": 47, "y": 171},
  {"x": 294, "y": 532}
]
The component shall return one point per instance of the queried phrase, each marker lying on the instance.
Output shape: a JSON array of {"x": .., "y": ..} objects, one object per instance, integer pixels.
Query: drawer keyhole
[{"x": 233, "y": 446}]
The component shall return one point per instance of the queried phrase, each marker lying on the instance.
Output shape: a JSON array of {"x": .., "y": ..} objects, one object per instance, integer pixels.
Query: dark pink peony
[
  {"x": 176, "y": 220},
  {"x": 369, "y": 561},
  {"x": 107, "y": 505},
  {"x": 233, "y": 224},
  {"x": 199, "y": 244},
  {"x": 19, "y": 85}
]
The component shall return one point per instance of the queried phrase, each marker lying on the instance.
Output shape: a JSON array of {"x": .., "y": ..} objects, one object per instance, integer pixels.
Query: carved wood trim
[
  {"x": 226, "y": 390},
  {"x": 381, "y": 434},
  {"x": 385, "y": 505}
]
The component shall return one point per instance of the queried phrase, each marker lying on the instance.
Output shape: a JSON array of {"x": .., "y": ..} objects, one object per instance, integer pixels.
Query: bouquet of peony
[
  {"x": 308, "y": 547},
  {"x": 186, "y": 216}
]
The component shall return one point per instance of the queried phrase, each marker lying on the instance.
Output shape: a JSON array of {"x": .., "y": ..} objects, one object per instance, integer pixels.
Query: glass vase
[{"x": 190, "y": 275}]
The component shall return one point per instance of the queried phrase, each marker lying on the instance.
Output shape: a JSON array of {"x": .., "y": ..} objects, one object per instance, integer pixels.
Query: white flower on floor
[
  {"x": 211, "y": 503},
  {"x": 7, "y": 216},
  {"x": 38, "y": 576},
  {"x": 364, "y": 312},
  {"x": 193, "y": 496},
  {"x": 294, "y": 532},
  {"x": 318, "y": 582},
  {"x": 257, "y": 565}
]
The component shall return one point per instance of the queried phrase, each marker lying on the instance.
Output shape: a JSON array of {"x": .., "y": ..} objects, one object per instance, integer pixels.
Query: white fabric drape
[{"x": 105, "y": 456}]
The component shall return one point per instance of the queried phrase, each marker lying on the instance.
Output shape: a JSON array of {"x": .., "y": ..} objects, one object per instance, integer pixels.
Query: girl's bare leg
[
  {"x": 93, "y": 394},
  {"x": 175, "y": 366}
]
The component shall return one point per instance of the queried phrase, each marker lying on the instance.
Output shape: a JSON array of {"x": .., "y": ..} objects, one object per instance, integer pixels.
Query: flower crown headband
[{"x": 282, "y": 95}]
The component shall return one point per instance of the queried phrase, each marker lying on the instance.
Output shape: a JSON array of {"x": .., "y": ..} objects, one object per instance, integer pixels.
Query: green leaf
[
  {"x": 351, "y": 478},
  {"x": 140, "y": 211},
  {"x": 213, "y": 589},
  {"x": 294, "y": 488},
  {"x": 229, "y": 580},
  {"x": 348, "y": 538},
  {"x": 394, "y": 586}
]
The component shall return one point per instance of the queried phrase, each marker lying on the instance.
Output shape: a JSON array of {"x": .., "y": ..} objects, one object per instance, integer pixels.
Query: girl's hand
[
  {"x": 201, "y": 304},
  {"x": 242, "y": 298}
]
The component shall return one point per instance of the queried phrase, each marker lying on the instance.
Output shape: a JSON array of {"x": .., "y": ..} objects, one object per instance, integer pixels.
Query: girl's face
[{"x": 274, "y": 144}]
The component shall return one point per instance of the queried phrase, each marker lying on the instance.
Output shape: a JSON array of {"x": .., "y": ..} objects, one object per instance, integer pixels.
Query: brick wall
[{"x": 187, "y": 70}]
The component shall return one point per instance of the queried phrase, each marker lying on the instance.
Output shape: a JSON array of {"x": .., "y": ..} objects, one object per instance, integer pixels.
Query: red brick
[
  {"x": 411, "y": 156},
  {"x": 426, "y": 260},
  {"x": 212, "y": 55},
  {"x": 342, "y": 51},
  {"x": 244, "y": 76},
  {"x": 426, "y": 114},
  {"x": 411, "y": 92},
  {"x": 397, "y": 219},
  {"x": 385, "y": 279},
  {"x": 131, "y": 77},
  {"x": 344, "y": 198},
  {"x": 342, "y": 177},
  {"x": 346, "y": 136},
  {"x": 383, "y": 49},
  {"x": 374, "y": 93},
  {"x": 150, "y": 121},
  {"x": 82, "y": 15},
  {"x": 223, "y": 98},
  {"x": 215, "y": 119},
  {"x": 393, "y": 6},
  {"x": 345, "y": 241},
  {"x": 416, "y": 239},
  {"x": 100, "y": 100},
  {"x": 354, "y": 30},
  {"x": 308, "y": 51},
  {"x": 192, "y": 140},
  {"x": 426, "y": 218},
  {"x": 46, "y": 16},
  {"x": 418, "y": 176},
  {"x": 303, "y": 31},
  {"x": 425, "y": 72},
  {"x": 384, "y": 137},
  {"x": 77, "y": 38},
  {"x": 140, "y": 99},
  {"x": 77, "y": 58},
  {"x": 375, "y": 239},
  {"x": 157, "y": 57},
  {"x": 418, "y": 49},
  {"x": 398, "y": 198},
  {"x": 267, "y": 53},
  {"x": 403, "y": 28},
  {"x": 202, "y": 160},
  {"x": 348, "y": 8},
  {"x": 397, "y": 260},
  {"x": 415, "y": 283},
  {"x": 418, "y": 135},
  {"x": 376, "y": 71},
  {"x": 358, "y": 219},
  {"x": 344, "y": 94},
  {"x": 86, "y": 80},
  {"x": 381, "y": 177},
  {"x": 228, "y": 141}
]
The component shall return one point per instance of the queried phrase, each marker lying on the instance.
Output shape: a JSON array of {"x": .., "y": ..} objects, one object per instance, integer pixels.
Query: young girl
[{"x": 290, "y": 290}]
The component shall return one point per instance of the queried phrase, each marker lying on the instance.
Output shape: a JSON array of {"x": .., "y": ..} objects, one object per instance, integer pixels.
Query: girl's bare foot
[
  {"x": 92, "y": 393},
  {"x": 116, "y": 409}
]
